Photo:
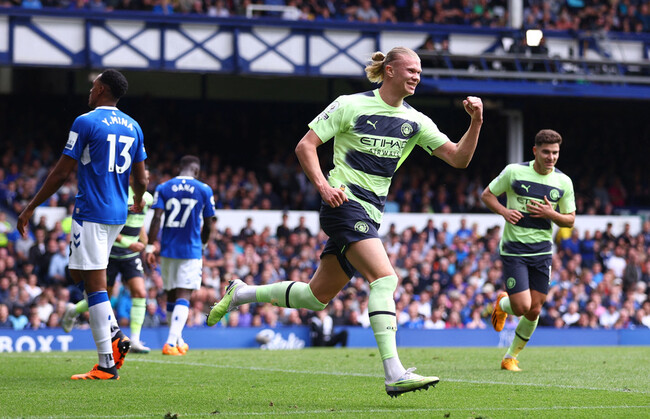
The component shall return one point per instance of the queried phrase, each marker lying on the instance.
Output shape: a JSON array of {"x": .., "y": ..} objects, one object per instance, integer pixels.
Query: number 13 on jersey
[{"x": 113, "y": 144}]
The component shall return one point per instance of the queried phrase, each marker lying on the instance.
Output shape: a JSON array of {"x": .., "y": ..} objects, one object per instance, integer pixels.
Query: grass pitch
[{"x": 576, "y": 382}]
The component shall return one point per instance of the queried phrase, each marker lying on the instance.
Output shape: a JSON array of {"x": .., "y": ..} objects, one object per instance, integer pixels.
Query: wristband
[{"x": 150, "y": 248}]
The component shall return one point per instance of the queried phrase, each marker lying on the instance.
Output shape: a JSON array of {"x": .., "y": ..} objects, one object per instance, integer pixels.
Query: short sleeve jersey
[
  {"x": 522, "y": 184},
  {"x": 105, "y": 142},
  {"x": 369, "y": 139},
  {"x": 186, "y": 203},
  {"x": 131, "y": 231}
]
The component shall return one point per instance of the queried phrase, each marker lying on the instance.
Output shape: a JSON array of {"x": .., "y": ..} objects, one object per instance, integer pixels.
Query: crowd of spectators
[
  {"x": 447, "y": 279},
  {"x": 592, "y": 15}
]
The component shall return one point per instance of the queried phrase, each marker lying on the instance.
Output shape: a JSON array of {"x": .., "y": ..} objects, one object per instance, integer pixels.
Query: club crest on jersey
[
  {"x": 332, "y": 107},
  {"x": 406, "y": 129},
  {"x": 361, "y": 227},
  {"x": 554, "y": 194}
]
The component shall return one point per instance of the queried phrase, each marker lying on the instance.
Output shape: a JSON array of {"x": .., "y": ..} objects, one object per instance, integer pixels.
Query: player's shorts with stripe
[
  {"x": 521, "y": 273},
  {"x": 346, "y": 224},
  {"x": 90, "y": 244},
  {"x": 128, "y": 268},
  {"x": 181, "y": 273}
]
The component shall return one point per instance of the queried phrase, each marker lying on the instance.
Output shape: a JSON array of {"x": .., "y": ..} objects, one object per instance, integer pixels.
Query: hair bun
[{"x": 378, "y": 56}]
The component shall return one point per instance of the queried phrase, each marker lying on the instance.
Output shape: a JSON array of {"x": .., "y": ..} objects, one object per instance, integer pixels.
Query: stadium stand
[
  {"x": 448, "y": 279},
  {"x": 600, "y": 16}
]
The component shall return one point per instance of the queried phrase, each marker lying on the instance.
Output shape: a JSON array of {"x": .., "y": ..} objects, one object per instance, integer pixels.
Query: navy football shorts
[
  {"x": 129, "y": 268},
  {"x": 346, "y": 224},
  {"x": 521, "y": 273}
]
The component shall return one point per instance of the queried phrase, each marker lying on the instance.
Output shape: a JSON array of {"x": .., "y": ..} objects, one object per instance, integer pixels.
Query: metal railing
[{"x": 533, "y": 68}]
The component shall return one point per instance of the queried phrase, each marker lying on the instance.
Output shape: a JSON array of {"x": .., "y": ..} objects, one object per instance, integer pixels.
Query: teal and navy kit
[
  {"x": 529, "y": 242},
  {"x": 370, "y": 138},
  {"x": 123, "y": 260}
]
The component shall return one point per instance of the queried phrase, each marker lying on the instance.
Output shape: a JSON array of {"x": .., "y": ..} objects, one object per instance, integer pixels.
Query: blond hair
[{"x": 379, "y": 61}]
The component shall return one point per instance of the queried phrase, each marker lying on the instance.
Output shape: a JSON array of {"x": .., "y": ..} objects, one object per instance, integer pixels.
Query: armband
[{"x": 150, "y": 248}]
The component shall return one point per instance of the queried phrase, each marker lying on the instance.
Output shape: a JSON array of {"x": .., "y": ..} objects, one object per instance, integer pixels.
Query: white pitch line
[
  {"x": 438, "y": 409},
  {"x": 352, "y": 374},
  {"x": 355, "y": 411}
]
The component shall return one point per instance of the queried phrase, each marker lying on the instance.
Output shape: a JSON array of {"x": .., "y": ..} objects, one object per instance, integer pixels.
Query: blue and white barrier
[{"x": 47, "y": 340}]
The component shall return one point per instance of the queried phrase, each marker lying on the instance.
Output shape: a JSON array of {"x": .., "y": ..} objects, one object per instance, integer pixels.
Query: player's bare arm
[
  {"x": 459, "y": 154},
  {"x": 154, "y": 228},
  {"x": 545, "y": 210},
  {"x": 307, "y": 154},
  {"x": 139, "y": 186},
  {"x": 492, "y": 202},
  {"x": 207, "y": 229},
  {"x": 141, "y": 243}
]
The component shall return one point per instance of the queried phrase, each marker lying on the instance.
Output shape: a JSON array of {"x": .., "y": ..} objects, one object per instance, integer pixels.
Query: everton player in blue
[
  {"x": 188, "y": 205},
  {"x": 105, "y": 145}
]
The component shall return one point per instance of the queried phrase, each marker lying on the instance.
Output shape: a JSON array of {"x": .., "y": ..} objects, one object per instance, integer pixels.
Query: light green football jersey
[
  {"x": 522, "y": 184},
  {"x": 369, "y": 139},
  {"x": 131, "y": 230}
]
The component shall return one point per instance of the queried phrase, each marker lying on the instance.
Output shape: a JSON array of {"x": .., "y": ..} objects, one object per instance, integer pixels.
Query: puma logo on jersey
[
  {"x": 526, "y": 187},
  {"x": 374, "y": 124}
]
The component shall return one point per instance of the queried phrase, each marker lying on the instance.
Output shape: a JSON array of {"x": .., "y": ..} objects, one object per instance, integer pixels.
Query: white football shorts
[
  {"x": 181, "y": 273},
  {"x": 90, "y": 244}
]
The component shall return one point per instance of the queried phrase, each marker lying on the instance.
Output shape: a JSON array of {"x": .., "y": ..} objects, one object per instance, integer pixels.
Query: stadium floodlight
[{"x": 534, "y": 37}]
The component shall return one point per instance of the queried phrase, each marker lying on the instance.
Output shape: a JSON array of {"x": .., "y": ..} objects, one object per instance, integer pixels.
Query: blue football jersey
[
  {"x": 105, "y": 142},
  {"x": 186, "y": 202}
]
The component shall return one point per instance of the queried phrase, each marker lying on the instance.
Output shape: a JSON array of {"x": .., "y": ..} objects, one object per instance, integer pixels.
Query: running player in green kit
[
  {"x": 373, "y": 133},
  {"x": 537, "y": 195}
]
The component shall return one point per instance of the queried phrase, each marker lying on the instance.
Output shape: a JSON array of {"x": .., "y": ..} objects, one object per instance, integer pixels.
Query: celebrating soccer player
[
  {"x": 373, "y": 133},
  {"x": 537, "y": 194}
]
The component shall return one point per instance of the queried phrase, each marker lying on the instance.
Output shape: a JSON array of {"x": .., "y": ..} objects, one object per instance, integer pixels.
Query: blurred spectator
[
  {"x": 38, "y": 256},
  {"x": 476, "y": 322},
  {"x": 283, "y": 231},
  {"x": 632, "y": 272},
  {"x": 366, "y": 13},
  {"x": 18, "y": 318},
  {"x": 153, "y": 317},
  {"x": 609, "y": 317},
  {"x": 301, "y": 228},
  {"x": 616, "y": 262},
  {"x": 323, "y": 333},
  {"x": 414, "y": 319},
  {"x": 35, "y": 322},
  {"x": 436, "y": 321},
  {"x": 5, "y": 322},
  {"x": 571, "y": 246},
  {"x": 572, "y": 315},
  {"x": 58, "y": 268},
  {"x": 217, "y": 8}
]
